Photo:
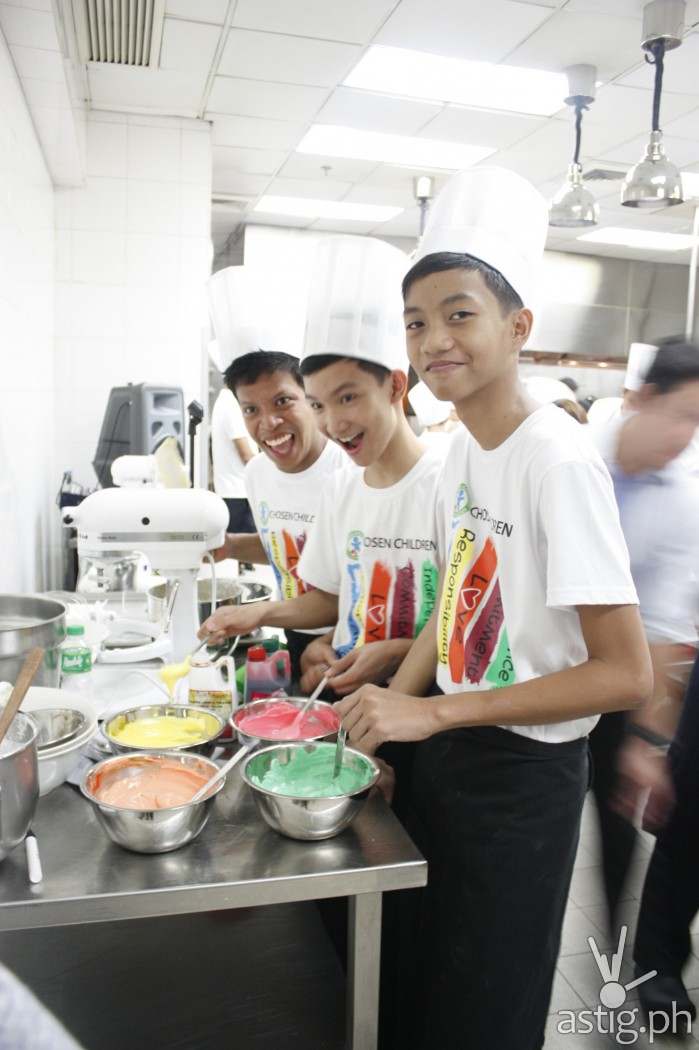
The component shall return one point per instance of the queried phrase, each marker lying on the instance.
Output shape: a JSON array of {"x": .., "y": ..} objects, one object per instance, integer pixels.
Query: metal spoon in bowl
[
  {"x": 306, "y": 707},
  {"x": 339, "y": 751},
  {"x": 225, "y": 768}
]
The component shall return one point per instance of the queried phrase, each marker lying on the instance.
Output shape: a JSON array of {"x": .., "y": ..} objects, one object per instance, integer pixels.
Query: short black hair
[
  {"x": 319, "y": 361},
  {"x": 507, "y": 297},
  {"x": 676, "y": 362},
  {"x": 250, "y": 367}
]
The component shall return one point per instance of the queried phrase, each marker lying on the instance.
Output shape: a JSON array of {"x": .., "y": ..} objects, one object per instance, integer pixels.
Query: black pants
[
  {"x": 296, "y": 643},
  {"x": 618, "y": 835},
  {"x": 240, "y": 517},
  {"x": 497, "y": 816},
  {"x": 671, "y": 892}
]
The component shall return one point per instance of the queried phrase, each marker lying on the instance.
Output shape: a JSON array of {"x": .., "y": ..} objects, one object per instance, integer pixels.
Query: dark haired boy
[
  {"x": 536, "y": 633},
  {"x": 374, "y": 553},
  {"x": 284, "y": 482}
]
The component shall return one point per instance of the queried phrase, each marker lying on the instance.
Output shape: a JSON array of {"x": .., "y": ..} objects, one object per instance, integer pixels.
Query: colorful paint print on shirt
[{"x": 471, "y": 636}]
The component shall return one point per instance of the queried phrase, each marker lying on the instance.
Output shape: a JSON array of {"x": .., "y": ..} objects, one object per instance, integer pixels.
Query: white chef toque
[
  {"x": 496, "y": 216},
  {"x": 641, "y": 357},
  {"x": 427, "y": 408},
  {"x": 240, "y": 311},
  {"x": 546, "y": 389},
  {"x": 355, "y": 307}
]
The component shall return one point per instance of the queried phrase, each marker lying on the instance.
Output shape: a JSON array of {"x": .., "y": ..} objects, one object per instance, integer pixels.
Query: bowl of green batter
[{"x": 296, "y": 793}]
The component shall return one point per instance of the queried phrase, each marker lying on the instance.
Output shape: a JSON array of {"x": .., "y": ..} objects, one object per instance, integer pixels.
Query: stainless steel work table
[{"x": 237, "y": 862}]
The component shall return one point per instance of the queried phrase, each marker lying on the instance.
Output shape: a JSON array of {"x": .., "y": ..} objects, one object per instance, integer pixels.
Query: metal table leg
[{"x": 363, "y": 966}]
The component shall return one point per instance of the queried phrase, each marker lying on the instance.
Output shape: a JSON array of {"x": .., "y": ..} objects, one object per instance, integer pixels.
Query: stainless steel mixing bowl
[
  {"x": 19, "y": 782},
  {"x": 25, "y": 622},
  {"x": 307, "y": 818},
  {"x": 150, "y": 830},
  {"x": 206, "y": 746},
  {"x": 57, "y": 725},
  {"x": 258, "y": 707}
]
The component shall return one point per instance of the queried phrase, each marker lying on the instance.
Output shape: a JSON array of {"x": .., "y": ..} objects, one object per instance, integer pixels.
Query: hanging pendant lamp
[
  {"x": 574, "y": 205},
  {"x": 655, "y": 182}
]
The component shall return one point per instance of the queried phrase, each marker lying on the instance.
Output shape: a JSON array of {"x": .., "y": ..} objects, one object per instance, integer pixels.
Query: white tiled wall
[
  {"x": 28, "y": 479},
  {"x": 133, "y": 252}
]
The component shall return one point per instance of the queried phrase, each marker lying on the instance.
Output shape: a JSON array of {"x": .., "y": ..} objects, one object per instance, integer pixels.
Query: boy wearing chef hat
[
  {"x": 536, "y": 633},
  {"x": 374, "y": 553},
  {"x": 285, "y": 480}
]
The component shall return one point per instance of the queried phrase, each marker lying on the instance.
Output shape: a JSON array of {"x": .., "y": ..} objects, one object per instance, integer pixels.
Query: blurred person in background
[
  {"x": 25, "y": 1024},
  {"x": 230, "y": 451},
  {"x": 659, "y": 509}
]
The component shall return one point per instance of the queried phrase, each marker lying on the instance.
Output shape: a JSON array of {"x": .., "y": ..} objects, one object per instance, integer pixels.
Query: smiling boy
[
  {"x": 285, "y": 480},
  {"x": 537, "y": 632},
  {"x": 374, "y": 553}
]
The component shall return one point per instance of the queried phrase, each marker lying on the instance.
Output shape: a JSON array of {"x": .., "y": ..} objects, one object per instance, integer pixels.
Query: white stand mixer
[{"x": 174, "y": 528}]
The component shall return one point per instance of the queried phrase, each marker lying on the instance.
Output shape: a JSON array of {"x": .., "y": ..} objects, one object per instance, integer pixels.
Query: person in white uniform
[
  {"x": 536, "y": 633},
  {"x": 374, "y": 553},
  {"x": 230, "y": 451}
]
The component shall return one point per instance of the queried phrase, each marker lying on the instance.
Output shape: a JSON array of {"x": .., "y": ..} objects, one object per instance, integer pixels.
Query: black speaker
[{"x": 137, "y": 420}]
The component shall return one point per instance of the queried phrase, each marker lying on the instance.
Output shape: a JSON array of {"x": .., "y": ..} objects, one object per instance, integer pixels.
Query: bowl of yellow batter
[{"x": 164, "y": 727}]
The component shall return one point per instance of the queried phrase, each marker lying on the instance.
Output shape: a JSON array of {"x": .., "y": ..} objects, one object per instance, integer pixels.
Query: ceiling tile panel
[
  {"x": 250, "y": 161},
  {"x": 364, "y": 109},
  {"x": 260, "y": 98},
  {"x": 27, "y": 28},
  {"x": 629, "y": 109},
  {"x": 188, "y": 46},
  {"x": 314, "y": 189},
  {"x": 256, "y": 133},
  {"x": 201, "y": 11},
  {"x": 462, "y": 28},
  {"x": 35, "y": 63},
  {"x": 481, "y": 127},
  {"x": 289, "y": 59},
  {"x": 343, "y": 226},
  {"x": 354, "y": 22},
  {"x": 686, "y": 127},
  {"x": 310, "y": 166},
  {"x": 607, "y": 42}
]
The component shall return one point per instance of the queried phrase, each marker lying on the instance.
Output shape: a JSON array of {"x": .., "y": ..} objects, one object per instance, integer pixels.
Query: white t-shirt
[
  {"x": 285, "y": 508},
  {"x": 227, "y": 425},
  {"x": 533, "y": 531},
  {"x": 378, "y": 549}
]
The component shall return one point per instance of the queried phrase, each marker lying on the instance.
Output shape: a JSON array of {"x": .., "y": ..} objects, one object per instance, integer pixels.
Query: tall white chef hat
[
  {"x": 546, "y": 389},
  {"x": 355, "y": 307},
  {"x": 427, "y": 408},
  {"x": 496, "y": 216},
  {"x": 641, "y": 356},
  {"x": 239, "y": 315}
]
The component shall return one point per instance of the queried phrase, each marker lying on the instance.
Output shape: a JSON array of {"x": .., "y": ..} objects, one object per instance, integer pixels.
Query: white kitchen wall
[
  {"x": 28, "y": 479},
  {"x": 133, "y": 252}
]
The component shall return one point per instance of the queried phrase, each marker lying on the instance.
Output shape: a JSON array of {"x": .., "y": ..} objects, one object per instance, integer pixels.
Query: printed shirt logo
[
  {"x": 355, "y": 543},
  {"x": 472, "y": 640},
  {"x": 264, "y": 514}
]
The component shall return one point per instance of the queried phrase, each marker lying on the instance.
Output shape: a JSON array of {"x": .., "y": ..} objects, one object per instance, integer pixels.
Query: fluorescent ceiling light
[
  {"x": 632, "y": 238},
  {"x": 418, "y": 74},
  {"x": 332, "y": 140},
  {"x": 305, "y": 208},
  {"x": 690, "y": 184}
]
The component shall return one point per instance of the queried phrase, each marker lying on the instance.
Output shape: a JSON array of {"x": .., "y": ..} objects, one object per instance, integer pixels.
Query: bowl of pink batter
[
  {"x": 143, "y": 802},
  {"x": 276, "y": 721}
]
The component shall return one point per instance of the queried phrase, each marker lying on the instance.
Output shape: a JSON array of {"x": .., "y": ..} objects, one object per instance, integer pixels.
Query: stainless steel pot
[
  {"x": 25, "y": 622},
  {"x": 19, "y": 782}
]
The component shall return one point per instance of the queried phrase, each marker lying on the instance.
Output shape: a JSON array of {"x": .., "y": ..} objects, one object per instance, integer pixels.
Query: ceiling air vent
[{"x": 120, "y": 32}]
